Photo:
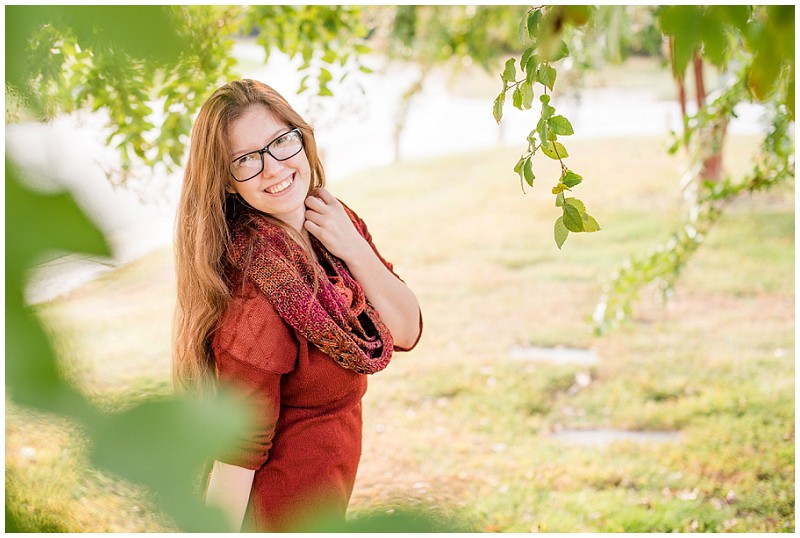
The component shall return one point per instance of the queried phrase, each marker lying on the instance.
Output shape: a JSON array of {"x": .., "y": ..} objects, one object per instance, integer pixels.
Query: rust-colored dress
[{"x": 307, "y": 445}]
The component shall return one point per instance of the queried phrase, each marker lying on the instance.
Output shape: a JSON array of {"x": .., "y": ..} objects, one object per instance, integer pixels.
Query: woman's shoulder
[{"x": 250, "y": 330}]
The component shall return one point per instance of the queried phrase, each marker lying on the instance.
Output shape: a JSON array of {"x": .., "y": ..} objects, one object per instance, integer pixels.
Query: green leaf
[
  {"x": 714, "y": 39},
  {"x": 560, "y": 125},
  {"x": 558, "y": 52},
  {"x": 531, "y": 67},
  {"x": 572, "y": 218},
  {"x": 329, "y": 57},
  {"x": 527, "y": 94},
  {"x": 559, "y": 188},
  {"x": 560, "y": 232},
  {"x": 522, "y": 30},
  {"x": 735, "y": 15},
  {"x": 526, "y": 55},
  {"x": 542, "y": 130},
  {"x": 510, "y": 72},
  {"x": 517, "y": 98},
  {"x": 577, "y": 204},
  {"x": 577, "y": 15},
  {"x": 497, "y": 110},
  {"x": 518, "y": 166},
  {"x": 547, "y": 111},
  {"x": 554, "y": 150},
  {"x": 303, "y": 85},
  {"x": 324, "y": 76},
  {"x": 683, "y": 24},
  {"x": 528, "y": 170},
  {"x": 162, "y": 442},
  {"x": 32, "y": 375},
  {"x": 560, "y": 199},
  {"x": 546, "y": 75},
  {"x": 589, "y": 224},
  {"x": 570, "y": 179},
  {"x": 534, "y": 17}
]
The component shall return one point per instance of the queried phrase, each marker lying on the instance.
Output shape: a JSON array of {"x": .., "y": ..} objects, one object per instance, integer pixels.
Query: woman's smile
[{"x": 280, "y": 187}]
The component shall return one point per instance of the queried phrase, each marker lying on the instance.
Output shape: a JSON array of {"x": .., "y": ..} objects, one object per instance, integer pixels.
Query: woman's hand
[{"x": 327, "y": 220}]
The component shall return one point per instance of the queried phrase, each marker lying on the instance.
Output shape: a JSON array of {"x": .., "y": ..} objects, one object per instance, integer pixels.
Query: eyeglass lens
[{"x": 251, "y": 164}]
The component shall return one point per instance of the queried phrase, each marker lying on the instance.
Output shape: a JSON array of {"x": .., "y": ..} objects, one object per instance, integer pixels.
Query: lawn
[{"x": 459, "y": 428}]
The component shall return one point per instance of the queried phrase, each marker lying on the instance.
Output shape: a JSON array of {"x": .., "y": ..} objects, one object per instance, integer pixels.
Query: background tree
[
  {"x": 752, "y": 45},
  {"x": 62, "y": 64},
  {"x": 449, "y": 37}
]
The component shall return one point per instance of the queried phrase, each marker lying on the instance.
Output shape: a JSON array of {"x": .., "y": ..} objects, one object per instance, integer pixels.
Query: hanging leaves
[{"x": 546, "y": 47}]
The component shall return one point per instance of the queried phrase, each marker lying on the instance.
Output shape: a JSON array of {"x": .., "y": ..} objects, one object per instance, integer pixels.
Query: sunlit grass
[{"x": 456, "y": 426}]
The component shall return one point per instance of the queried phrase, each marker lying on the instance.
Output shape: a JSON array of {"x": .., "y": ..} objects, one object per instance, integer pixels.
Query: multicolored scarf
[{"x": 337, "y": 318}]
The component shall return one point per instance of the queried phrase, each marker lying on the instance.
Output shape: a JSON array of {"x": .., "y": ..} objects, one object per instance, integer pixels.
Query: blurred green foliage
[
  {"x": 159, "y": 444},
  {"x": 754, "y": 45},
  {"x": 153, "y": 71},
  {"x": 443, "y": 36},
  {"x": 119, "y": 59},
  {"x": 431, "y": 34},
  {"x": 719, "y": 33}
]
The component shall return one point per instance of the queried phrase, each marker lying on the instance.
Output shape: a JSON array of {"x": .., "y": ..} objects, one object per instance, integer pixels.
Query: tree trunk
[
  {"x": 712, "y": 165},
  {"x": 681, "y": 92}
]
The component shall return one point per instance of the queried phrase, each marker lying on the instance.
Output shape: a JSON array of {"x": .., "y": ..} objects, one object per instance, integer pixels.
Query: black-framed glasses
[{"x": 251, "y": 164}]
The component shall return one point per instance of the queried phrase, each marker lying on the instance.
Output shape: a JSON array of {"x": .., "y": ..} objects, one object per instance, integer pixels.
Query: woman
[{"x": 283, "y": 298}]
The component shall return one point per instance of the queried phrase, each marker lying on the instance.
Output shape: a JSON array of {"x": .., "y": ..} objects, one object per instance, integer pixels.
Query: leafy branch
[
  {"x": 542, "y": 29},
  {"x": 65, "y": 66},
  {"x": 761, "y": 41},
  {"x": 662, "y": 265}
]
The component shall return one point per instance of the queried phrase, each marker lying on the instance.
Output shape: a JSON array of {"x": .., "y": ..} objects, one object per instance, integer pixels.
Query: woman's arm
[
  {"x": 328, "y": 221},
  {"x": 229, "y": 489}
]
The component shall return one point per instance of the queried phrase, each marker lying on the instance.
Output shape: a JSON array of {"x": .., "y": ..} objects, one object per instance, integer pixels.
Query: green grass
[{"x": 458, "y": 428}]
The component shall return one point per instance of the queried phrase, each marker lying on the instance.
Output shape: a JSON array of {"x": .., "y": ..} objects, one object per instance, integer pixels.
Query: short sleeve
[
  {"x": 253, "y": 349},
  {"x": 253, "y": 332}
]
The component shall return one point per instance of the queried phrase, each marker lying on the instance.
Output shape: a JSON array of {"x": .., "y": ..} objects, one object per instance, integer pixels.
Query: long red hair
[{"x": 206, "y": 214}]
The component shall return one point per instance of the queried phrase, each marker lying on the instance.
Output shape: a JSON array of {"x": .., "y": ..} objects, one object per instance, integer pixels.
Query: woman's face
[{"x": 281, "y": 188}]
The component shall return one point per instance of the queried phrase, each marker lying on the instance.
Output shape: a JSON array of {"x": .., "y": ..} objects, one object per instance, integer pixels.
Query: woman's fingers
[
  {"x": 327, "y": 220},
  {"x": 326, "y": 196},
  {"x": 315, "y": 204},
  {"x": 313, "y": 228}
]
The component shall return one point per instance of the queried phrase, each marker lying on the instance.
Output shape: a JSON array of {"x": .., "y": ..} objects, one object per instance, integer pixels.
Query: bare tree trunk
[
  {"x": 712, "y": 165},
  {"x": 681, "y": 91},
  {"x": 699, "y": 84}
]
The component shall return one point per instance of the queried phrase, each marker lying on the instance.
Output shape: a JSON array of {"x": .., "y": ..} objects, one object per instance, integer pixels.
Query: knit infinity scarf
[{"x": 337, "y": 319}]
